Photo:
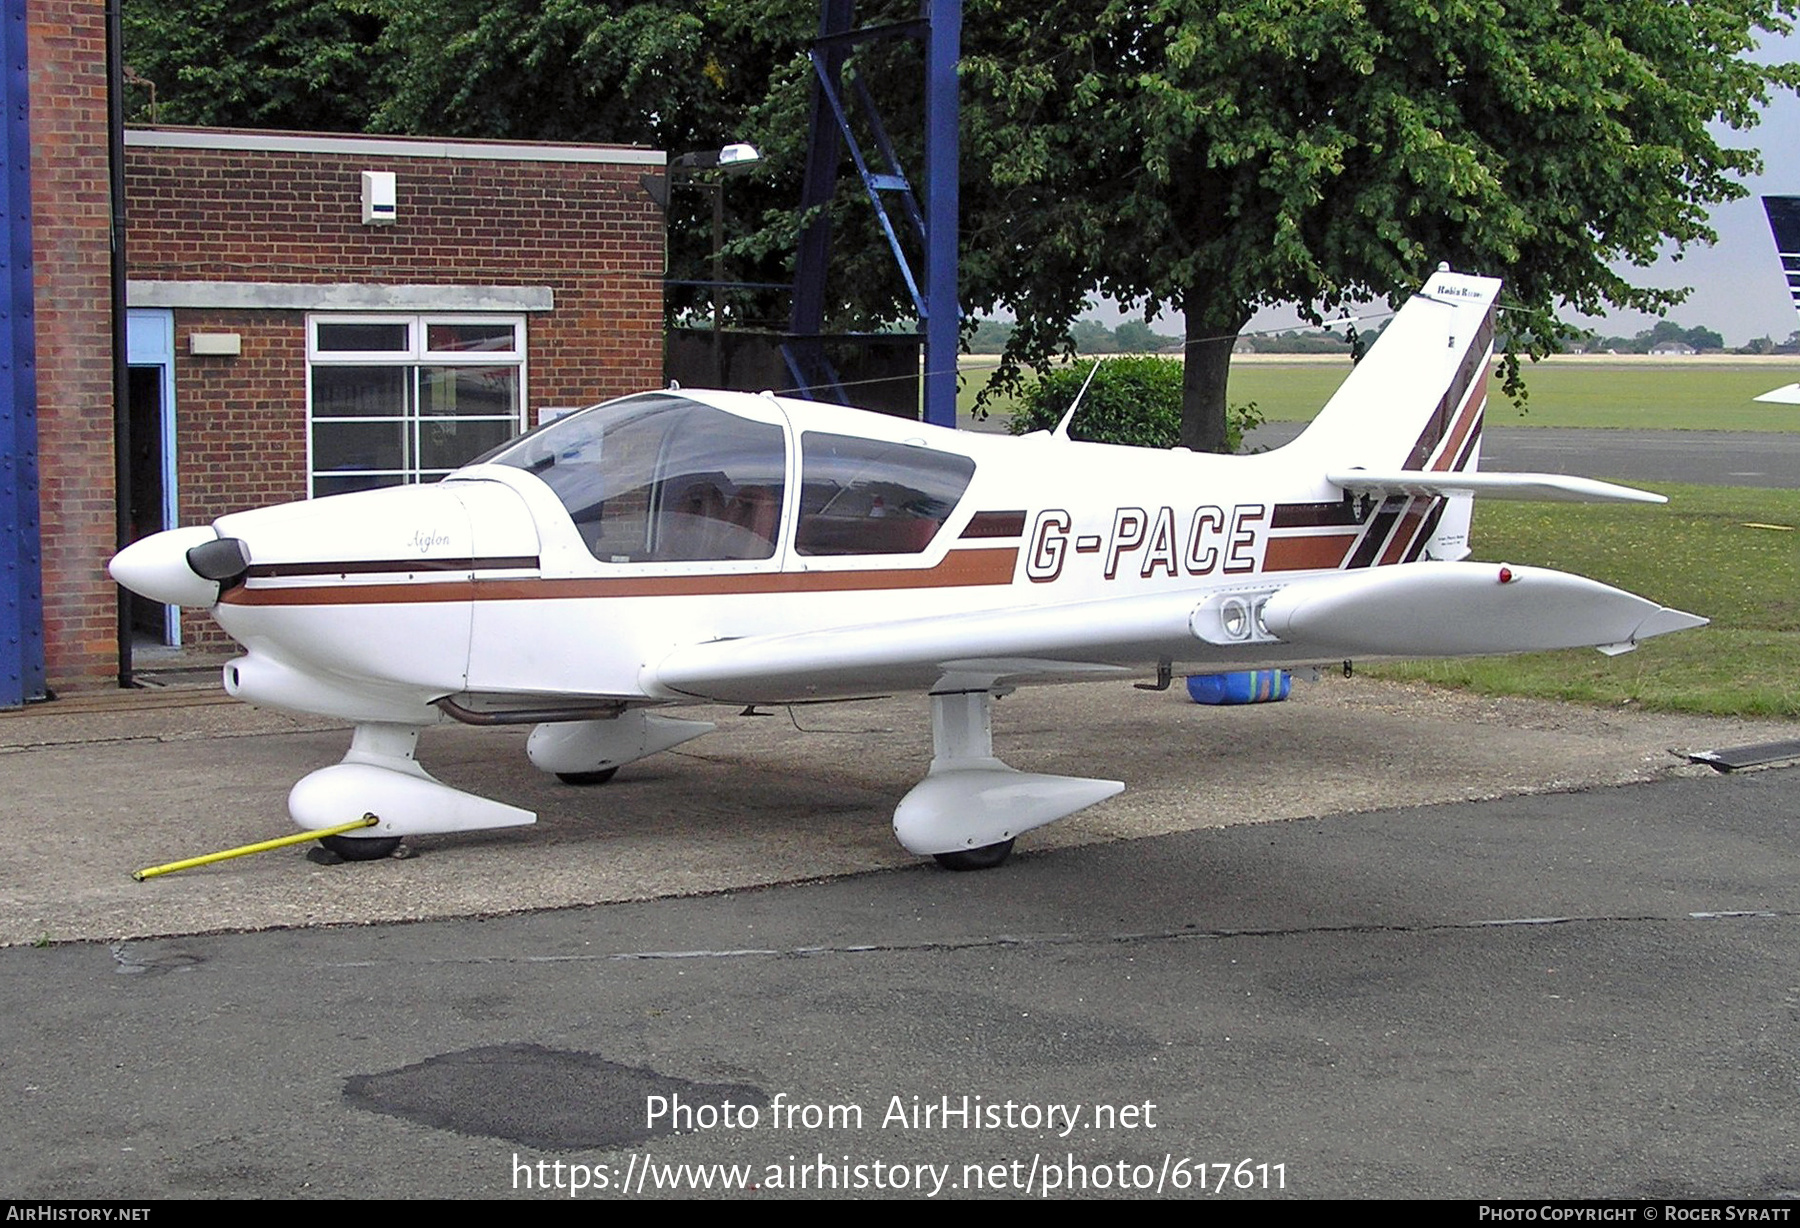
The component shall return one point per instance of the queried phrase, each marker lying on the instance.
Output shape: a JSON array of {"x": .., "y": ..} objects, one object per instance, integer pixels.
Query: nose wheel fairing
[{"x": 380, "y": 776}]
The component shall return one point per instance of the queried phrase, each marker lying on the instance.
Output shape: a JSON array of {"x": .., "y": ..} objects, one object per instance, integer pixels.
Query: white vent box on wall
[{"x": 380, "y": 198}]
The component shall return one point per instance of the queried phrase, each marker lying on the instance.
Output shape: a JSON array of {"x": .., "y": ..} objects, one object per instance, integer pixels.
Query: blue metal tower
[
  {"x": 933, "y": 287},
  {"x": 21, "y": 557}
]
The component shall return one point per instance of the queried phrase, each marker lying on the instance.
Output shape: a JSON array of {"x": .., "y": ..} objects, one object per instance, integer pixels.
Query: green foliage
[
  {"x": 1137, "y": 337},
  {"x": 1214, "y": 157},
  {"x": 302, "y": 64},
  {"x": 1664, "y": 331},
  {"x": 1134, "y": 401},
  {"x": 1205, "y": 157},
  {"x": 989, "y": 337}
]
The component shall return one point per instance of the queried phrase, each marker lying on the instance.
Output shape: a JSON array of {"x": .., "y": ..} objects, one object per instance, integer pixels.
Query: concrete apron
[{"x": 101, "y": 785}]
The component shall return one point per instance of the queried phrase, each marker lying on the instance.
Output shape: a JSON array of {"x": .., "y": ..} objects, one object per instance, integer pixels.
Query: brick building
[
  {"x": 280, "y": 345},
  {"x": 292, "y": 337}
]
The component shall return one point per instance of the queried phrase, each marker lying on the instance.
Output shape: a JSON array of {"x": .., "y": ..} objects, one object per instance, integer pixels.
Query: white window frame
[{"x": 416, "y": 357}]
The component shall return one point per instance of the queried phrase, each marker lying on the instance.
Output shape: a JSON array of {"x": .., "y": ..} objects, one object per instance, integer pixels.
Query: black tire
[
  {"x": 984, "y": 858},
  {"x": 588, "y": 778},
  {"x": 363, "y": 848}
]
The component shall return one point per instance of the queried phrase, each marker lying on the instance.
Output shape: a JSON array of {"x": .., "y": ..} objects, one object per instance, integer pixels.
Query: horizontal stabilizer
[
  {"x": 1462, "y": 609},
  {"x": 1532, "y": 487},
  {"x": 1787, "y": 394}
]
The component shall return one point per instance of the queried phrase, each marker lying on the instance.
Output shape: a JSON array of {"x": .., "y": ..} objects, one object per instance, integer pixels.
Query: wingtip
[{"x": 1666, "y": 620}]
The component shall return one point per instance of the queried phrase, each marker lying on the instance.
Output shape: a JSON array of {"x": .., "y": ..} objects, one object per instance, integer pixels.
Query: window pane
[
  {"x": 861, "y": 496},
  {"x": 343, "y": 484},
  {"x": 449, "y": 443},
  {"x": 363, "y": 338},
  {"x": 469, "y": 338},
  {"x": 471, "y": 392},
  {"x": 361, "y": 392},
  {"x": 342, "y": 446}
]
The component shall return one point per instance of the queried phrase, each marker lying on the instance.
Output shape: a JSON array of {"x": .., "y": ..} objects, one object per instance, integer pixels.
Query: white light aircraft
[{"x": 685, "y": 547}]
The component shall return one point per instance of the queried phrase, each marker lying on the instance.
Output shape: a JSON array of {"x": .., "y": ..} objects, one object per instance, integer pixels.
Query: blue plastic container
[{"x": 1255, "y": 686}]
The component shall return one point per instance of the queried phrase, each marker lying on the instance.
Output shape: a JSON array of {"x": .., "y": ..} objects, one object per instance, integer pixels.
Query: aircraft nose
[{"x": 180, "y": 566}]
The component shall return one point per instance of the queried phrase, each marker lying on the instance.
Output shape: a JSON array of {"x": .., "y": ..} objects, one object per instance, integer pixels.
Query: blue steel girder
[
  {"x": 875, "y": 184},
  {"x": 940, "y": 29},
  {"x": 22, "y": 672}
]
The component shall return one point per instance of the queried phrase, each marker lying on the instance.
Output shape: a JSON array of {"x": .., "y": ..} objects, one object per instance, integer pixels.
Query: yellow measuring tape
[{"x": 299, "y": 837}]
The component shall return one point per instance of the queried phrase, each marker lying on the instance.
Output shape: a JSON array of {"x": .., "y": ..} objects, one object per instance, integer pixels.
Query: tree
[
  {"x": 302, "y": 64},
  {"x": 1201, "y": 157},
  {"x": 1212, "y": 156},
  {"x": 1137, "y": 337}
]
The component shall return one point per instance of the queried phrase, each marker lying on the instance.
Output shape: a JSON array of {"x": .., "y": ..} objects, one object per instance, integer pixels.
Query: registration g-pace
[{"x": 690, "y": 547}]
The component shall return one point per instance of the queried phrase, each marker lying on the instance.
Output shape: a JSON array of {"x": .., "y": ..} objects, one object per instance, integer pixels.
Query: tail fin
[
  {"x": 1415, "y": 402},
  {"x": 1784, "y": 224}
]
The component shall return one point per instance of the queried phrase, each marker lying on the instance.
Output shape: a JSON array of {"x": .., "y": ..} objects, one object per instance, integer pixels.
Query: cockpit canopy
[{"x": 663, "y": 478}]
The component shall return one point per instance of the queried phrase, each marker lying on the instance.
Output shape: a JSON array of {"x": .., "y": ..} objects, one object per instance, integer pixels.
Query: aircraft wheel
[
  {"x": 588, "y": 778},
  {"x": 351, "y": 848},
  {"x": 984, "y": 858}
]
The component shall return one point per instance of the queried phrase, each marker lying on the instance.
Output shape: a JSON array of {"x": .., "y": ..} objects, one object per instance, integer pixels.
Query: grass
[
  {"x": 1635, "y": 393},
  {"x": 1700, "y": 554}
]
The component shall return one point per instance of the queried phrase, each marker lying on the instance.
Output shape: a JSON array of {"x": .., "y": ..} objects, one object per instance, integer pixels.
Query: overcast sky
[{"x": 1738, "y": 284}]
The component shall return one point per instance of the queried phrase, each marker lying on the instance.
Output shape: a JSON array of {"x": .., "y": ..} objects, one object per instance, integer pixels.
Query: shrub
[{"x": 1134, "y": 401}]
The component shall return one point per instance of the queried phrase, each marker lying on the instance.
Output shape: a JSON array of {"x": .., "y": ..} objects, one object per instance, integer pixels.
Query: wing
[
  {"x": 1421, "y": 609},
  {"x": 1531, "y": 487}
]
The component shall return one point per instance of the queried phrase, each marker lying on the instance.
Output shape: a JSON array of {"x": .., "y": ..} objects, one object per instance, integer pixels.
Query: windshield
[{"x": 661, "y": 478}]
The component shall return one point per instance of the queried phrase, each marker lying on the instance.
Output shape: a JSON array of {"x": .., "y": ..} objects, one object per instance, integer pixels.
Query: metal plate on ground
[{"x": 1736, "y": 757}]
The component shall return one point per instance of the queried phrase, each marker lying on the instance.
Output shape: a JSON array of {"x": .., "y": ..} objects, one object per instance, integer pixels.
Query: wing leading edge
[{"x": 1421, "y": 610}]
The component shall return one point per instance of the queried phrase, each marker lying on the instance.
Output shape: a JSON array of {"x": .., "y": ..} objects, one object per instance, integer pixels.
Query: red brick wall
[
  {"x": 71, "y": 252},
  {"x": 240, "y": 427},
  {"x": 587, "y": 231},
  {"x": 240, "y": 422}
]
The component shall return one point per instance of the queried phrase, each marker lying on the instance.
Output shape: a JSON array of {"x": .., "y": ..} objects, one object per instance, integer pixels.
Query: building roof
[{"x": 390, "y": 146}]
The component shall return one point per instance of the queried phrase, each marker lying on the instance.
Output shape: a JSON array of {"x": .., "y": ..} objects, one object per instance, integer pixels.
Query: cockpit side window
[
  {"x": 661, "y": 479},
  {"x": 863, "y": 496}
]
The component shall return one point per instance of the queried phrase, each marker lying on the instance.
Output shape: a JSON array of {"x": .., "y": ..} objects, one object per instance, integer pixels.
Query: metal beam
[
  {"x": 931, "y": 287},
  {"x": 21, "y": 552}
]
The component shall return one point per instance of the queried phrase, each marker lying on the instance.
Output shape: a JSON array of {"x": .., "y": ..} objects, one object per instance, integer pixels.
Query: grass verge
[{"x": 1703, "y": 553}]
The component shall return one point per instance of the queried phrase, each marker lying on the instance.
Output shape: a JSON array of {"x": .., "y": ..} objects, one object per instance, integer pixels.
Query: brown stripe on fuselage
[
  {"x": 1468, "y": 448},
  {"x": 1403, "y": 536},
  {"x": 959, "y": 569},
  {"x": 276, "y": 571},
  {"x": 1377, "y": 534},
  {"x": 995, "y": 524},
  {"x": 1307, "y": 553}
]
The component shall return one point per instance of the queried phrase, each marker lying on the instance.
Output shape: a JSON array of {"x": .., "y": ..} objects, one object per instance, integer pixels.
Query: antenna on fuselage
[{"x": 1062, "y": 428}]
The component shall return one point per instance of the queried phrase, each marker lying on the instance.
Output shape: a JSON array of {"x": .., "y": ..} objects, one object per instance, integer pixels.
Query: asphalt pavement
[
  {"x": 1577, "y": 995},
  {"x": 1482, "y": 966}
]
